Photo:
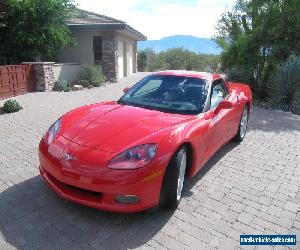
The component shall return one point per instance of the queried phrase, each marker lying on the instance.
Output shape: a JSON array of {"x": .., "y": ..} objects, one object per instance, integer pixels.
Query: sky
[{"x": 162, "y": 18}]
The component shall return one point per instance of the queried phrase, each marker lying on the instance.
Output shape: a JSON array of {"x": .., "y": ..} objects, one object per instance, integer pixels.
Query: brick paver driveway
[{"x": 248, "y": 188}]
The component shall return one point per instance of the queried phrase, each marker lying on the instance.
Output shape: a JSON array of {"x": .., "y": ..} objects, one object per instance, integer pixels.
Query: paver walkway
[{"x": 253, "y": 187}]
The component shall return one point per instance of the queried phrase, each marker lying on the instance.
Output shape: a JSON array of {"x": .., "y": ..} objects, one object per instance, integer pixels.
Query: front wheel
[
  {"x": 173, "y": 180},
  {"x": 240, "y": 135}
]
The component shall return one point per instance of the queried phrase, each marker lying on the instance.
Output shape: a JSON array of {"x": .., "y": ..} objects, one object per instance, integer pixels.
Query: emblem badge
[{"x": 69, "y": 157}]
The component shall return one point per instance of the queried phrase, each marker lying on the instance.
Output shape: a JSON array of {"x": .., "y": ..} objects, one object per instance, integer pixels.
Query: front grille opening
[
  {"x": 83, "y": 191},
  {"x": 75, "y": 190}
]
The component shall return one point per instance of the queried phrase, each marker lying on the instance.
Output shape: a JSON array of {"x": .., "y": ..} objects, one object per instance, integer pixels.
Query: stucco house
[{"x": 104, "y": 41}]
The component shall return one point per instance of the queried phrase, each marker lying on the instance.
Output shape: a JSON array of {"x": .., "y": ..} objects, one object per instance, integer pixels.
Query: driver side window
[{"x": 219, "y": 93}]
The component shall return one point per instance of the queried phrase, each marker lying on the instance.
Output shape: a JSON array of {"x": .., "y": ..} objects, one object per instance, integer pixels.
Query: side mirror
[
  {"x": 223, "y": 105},
  {"x": 126, "y": 90}
]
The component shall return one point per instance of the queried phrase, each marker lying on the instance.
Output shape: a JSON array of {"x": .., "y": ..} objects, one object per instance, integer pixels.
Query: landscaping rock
[{"x": 77, "y": 87}]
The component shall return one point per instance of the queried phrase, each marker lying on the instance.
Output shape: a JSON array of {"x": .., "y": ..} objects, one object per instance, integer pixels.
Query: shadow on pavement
[
  {"x": 205, "y": 169},
  {"x": 33, "y": 217},
  {"x": 273, "y": 121}
]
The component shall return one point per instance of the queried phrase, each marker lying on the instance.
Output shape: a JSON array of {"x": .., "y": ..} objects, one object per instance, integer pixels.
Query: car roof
[{"x": 201, "y": 75}]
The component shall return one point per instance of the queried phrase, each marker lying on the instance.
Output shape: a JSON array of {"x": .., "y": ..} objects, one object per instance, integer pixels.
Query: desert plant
[
  {"x": 11, "y": 106},
  {"x": 285, "y": 87},
  {"x": 92, "y": 74},
  {"x": 61, "y": 86}
]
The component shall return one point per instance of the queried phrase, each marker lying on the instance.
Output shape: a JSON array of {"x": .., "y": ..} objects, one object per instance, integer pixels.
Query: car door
[{"x": 220, "y": 119}]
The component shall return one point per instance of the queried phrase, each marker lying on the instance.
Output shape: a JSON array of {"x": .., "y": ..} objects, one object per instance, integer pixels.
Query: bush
[
  {"x": 92, "y": 74},
  {"x": 11, "y": 106},
  {"x": 61, "y": 86},
  {"x": 96, "y": 84},
  {"x": 285, "y": 88}
]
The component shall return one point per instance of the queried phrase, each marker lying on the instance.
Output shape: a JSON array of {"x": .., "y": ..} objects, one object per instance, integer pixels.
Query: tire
[
  {"x": 243, "y": 125},
  {"x": 173, "y": 180}
]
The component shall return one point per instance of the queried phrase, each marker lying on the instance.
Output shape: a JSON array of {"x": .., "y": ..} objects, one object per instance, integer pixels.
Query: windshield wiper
[{"x": 120, "y": 101}]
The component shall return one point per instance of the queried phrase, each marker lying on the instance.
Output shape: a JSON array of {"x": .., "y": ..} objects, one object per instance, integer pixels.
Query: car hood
[{"x": 112, "y": 127}]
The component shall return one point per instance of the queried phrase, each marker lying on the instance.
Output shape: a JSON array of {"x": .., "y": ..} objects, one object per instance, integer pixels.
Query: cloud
[{"x": 160, "y": 18}]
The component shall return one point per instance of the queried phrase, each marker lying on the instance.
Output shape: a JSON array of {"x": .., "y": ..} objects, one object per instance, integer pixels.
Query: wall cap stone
[
  {"x": 63, "y": 64},
  {"x": 39, "y": 63}
]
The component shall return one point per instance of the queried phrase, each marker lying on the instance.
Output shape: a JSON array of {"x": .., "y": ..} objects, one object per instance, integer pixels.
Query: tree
[
  {"x": 35, "y": 29},
  {"x": 257, "y": 35},
  {"x": 176, "y": 59},
  {"x": 142, "y": 61}
]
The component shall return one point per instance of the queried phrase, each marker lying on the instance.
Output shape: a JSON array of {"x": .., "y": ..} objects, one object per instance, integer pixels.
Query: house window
[{"x": 97, "y": 44}]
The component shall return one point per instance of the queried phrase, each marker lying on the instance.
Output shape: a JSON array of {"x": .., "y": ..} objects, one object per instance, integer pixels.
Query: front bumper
[{"x": 98, "y": 187}]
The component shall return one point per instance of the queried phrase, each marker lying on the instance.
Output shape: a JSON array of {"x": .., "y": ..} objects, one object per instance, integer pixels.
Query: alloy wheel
[
  {"x": 244, "y": 123},
  {"x": 181, "y": 175}
]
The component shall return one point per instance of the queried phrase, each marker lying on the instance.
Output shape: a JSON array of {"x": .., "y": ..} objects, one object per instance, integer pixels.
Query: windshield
[{"x": 174, "y": 94}]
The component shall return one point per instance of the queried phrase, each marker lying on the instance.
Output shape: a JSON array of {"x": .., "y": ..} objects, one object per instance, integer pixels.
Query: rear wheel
[
  {"x": 240, "y": 135},
  {"x": 174, "y": 180}
]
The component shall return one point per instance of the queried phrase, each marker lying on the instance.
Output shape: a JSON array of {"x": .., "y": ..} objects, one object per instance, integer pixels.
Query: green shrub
[
  {"x": 96, "y": 84},
  {"x": 11, "y": 106},
  {"x": 92, "y": 74},
  {"x": 285, "y": 87},
  {"x": 61, "y": 86}
]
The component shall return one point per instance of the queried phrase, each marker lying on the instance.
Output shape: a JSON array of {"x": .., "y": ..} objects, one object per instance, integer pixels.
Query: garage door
[
  {"x": 121, "y": 59},
  {"x": 130, "y": 60}
]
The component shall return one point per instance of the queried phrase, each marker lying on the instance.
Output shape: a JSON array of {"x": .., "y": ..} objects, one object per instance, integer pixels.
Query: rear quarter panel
[{"x": 243, "y": 92}]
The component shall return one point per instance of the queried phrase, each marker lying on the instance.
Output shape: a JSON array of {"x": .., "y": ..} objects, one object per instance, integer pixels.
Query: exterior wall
[
  {"x": 128, "y": 54},
  {"x": 67, "y": 71},
  {"x": 16, "y": 80},
  {"x": 83, "y": 52},
  {"x": 119, "y": 53}
]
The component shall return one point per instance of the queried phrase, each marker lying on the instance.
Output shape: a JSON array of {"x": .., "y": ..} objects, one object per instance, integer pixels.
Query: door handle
[{"x": 209, "y": 115}]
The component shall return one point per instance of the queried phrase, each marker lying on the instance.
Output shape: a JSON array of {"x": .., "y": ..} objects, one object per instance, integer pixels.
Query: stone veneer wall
[
  {"x": 44, "y": 75},
  {"x": 110, "y": 56}
]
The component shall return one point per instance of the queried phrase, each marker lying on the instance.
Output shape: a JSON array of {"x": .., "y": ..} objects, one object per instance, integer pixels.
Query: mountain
[{"x": 191, "y": 43}]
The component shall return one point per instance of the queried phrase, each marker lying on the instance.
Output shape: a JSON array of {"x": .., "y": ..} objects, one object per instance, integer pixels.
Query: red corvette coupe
[{"x": 135, "y": 153}]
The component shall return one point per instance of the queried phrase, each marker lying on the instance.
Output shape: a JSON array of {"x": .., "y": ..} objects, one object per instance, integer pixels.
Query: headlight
[
  {"x": 52, "y": 132},
  {"x": 133, "y": 158}
]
